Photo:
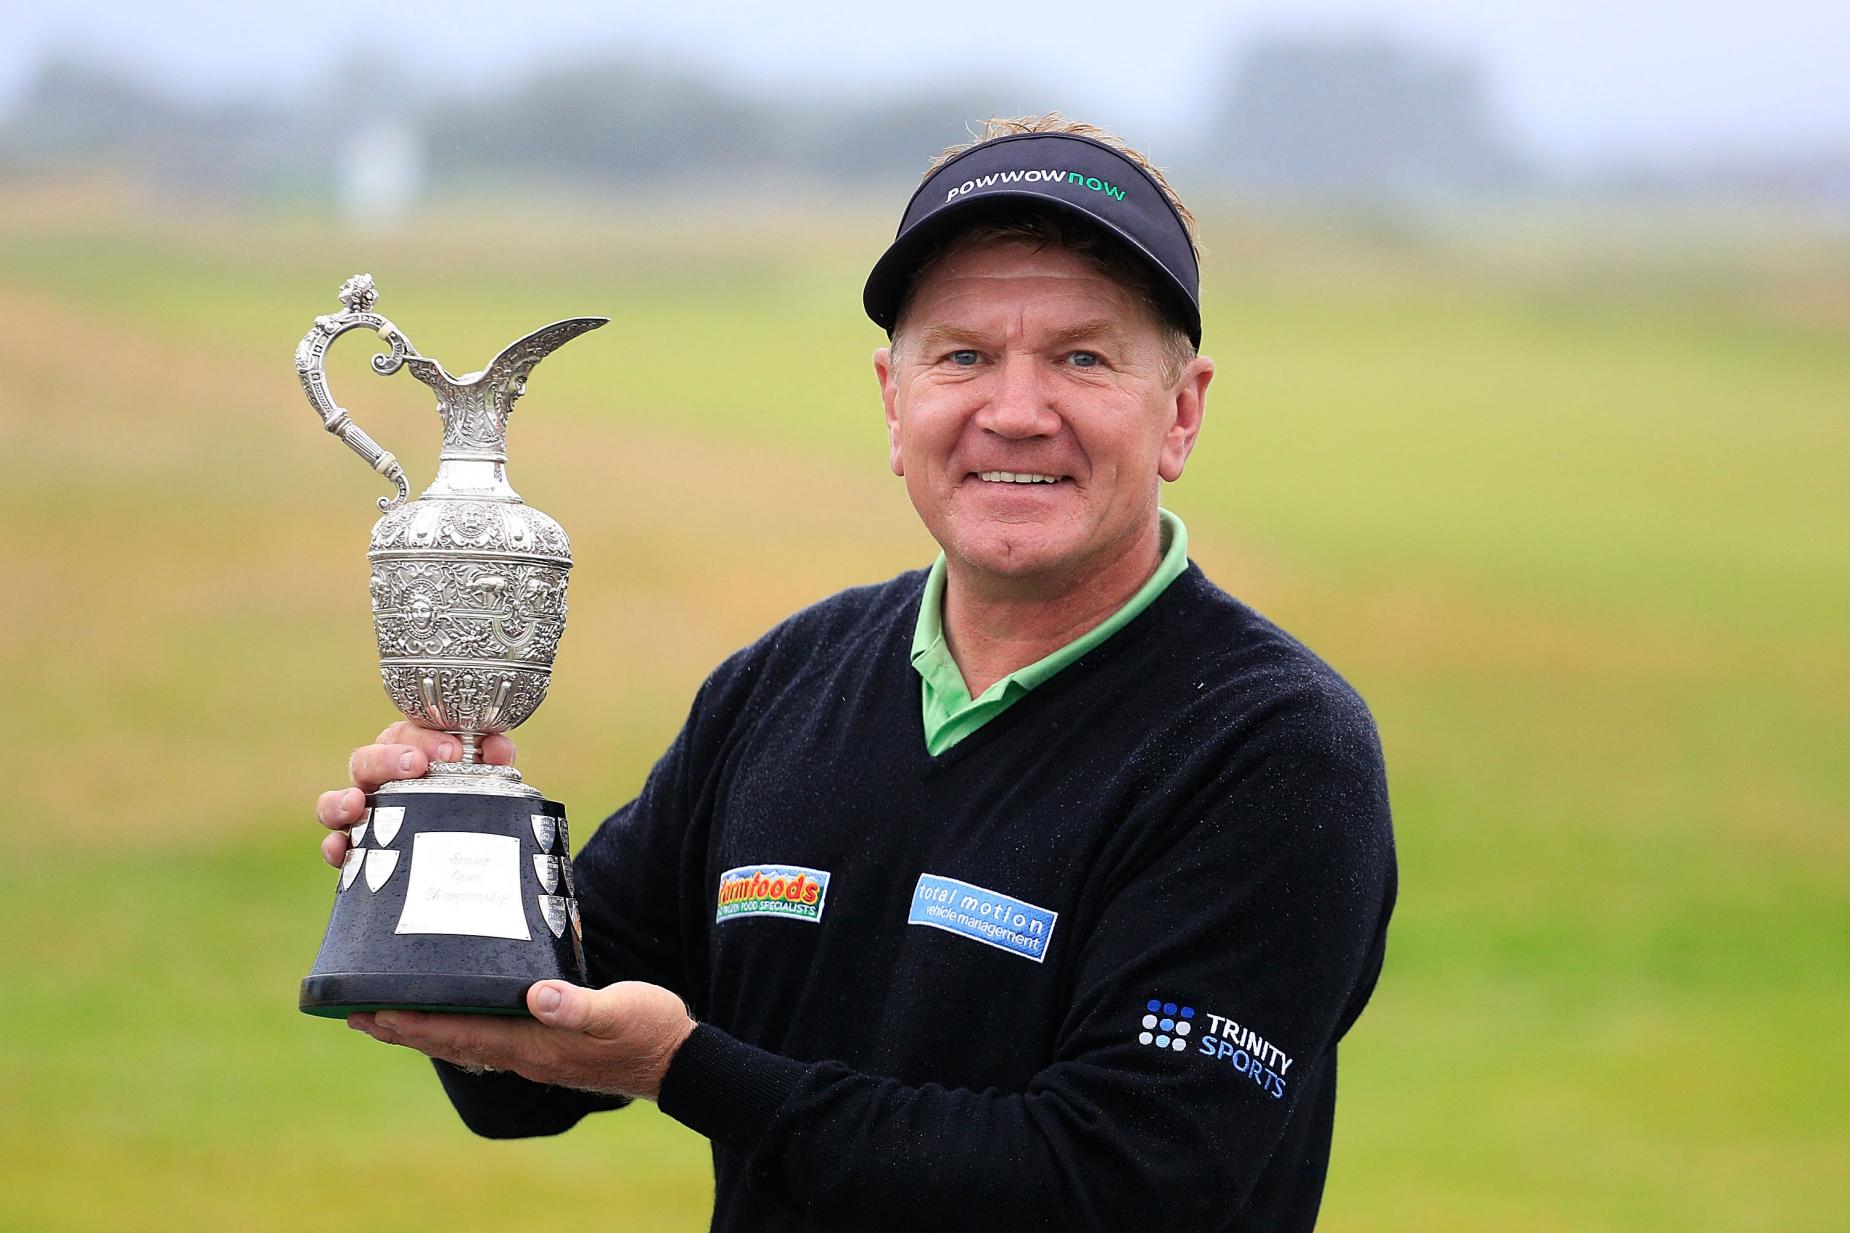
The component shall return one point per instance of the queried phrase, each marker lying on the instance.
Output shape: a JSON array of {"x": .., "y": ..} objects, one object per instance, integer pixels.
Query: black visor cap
[{"x": 1059, "y": 171}]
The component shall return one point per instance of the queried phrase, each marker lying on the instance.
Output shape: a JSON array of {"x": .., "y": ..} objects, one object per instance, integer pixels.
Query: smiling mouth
[{"x": 1017, "y": 477}]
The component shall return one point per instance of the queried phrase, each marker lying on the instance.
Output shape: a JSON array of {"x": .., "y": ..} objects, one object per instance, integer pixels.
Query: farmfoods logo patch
[{"x": 772, "y": 890}]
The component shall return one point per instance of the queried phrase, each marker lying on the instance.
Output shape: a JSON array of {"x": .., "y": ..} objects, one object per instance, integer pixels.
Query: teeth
[{"x": 1016, "y": 477}]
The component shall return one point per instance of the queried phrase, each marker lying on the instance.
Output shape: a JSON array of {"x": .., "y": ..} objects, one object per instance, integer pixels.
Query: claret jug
[{"x": 457, "y": 890}]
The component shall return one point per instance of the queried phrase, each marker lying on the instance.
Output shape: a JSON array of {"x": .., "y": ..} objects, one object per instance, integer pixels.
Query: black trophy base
[{"x": 449, "y": 901}]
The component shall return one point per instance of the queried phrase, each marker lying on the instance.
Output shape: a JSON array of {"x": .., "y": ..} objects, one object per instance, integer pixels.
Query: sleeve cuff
[
  {"x": 726, "y": 1089},
  {"x": 506, "y": 1106}
]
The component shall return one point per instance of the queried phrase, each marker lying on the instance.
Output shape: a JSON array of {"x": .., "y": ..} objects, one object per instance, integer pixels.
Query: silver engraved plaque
[
  {"x": 359, "y": 832},
  {"x": 546, "y": 869},
  {"x": 350, "y": 868},
  {"x": 379, "y": 867},
  {"x": 543, "y": 831},
  {"x": 386, "y": 821},
  {"x": 565, "y": 867},
  {"x": 464, "y": 883},
  {"x": 552, "y": 907}
]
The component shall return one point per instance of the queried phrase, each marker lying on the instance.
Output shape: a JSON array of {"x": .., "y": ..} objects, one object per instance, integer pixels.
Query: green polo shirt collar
[{"x": 950, "y": 712}]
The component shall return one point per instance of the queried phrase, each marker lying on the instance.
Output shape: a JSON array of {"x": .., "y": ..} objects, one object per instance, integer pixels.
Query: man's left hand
[{"x": 617, "y": 1040}]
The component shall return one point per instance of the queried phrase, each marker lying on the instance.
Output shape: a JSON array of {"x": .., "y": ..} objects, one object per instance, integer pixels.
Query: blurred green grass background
[{"x": 1565, "y": 498}]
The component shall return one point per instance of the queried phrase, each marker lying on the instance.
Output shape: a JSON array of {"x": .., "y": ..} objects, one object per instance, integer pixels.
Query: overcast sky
[{"x": 1576, "y": 80}]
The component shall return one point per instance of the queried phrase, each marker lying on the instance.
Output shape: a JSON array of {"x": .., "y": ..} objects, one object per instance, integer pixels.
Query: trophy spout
[
  {"x": 476, "y": 408},
  {"x": 518, "y": 358}
]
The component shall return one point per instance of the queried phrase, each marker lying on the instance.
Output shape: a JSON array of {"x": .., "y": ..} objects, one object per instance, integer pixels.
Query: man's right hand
[{"x": 403, "y": 751}]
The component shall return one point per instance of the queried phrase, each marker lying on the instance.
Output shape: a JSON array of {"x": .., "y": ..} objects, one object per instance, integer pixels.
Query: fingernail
[
  {"x": 548, "y": 1000},
  {"x": 385, "y": 1019},
  {"x": 446, "y": 751},
  {"x": 407, "y": 762}
]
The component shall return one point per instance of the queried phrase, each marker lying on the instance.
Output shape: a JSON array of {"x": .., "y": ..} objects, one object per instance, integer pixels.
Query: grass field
[{"x": 1565, "y": 498}]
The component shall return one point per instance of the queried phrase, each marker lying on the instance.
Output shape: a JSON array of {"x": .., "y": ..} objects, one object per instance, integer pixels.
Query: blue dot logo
[{"x": 1171, "y": 1031}]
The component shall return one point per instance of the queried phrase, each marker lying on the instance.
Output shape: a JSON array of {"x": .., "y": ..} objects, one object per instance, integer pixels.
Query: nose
[{"x": 1021, "y": 402}]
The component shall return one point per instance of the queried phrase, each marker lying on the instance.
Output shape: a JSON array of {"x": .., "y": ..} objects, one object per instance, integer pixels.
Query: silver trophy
[{"x": 468, "y": 602}]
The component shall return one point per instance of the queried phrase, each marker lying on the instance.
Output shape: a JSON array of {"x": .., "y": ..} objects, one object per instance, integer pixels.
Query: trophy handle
[{"x": 358, "y": 295}]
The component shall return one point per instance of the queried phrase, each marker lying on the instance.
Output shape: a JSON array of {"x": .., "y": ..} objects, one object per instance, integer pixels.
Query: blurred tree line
[{"x": 1336, "y": 118}]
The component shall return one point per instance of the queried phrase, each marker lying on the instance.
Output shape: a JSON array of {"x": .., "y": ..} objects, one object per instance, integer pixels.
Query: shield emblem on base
[
  {"x": 386, "y": 821},
  {"x": 552, "y": 907},
  {"x": 379, "y": 867}
]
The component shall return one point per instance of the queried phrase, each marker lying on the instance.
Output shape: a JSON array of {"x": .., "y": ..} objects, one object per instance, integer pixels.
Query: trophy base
[
  {"x": 455, "y": 901},
  {"x": 339, "y": 994}
]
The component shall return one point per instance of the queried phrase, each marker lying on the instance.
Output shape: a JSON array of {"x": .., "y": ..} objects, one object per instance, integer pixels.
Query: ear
[
  {"x": 1188, "y": 403},
  {"x": 886, "y": 371}
]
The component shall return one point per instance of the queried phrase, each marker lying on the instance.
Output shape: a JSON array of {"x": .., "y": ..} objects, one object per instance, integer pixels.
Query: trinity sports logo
[
  {"x": 772, "y": 890},
  {"x": 1167, "y": 1026}
]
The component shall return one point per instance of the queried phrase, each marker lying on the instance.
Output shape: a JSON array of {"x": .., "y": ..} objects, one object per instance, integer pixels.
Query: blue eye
[
  {"x": 1084, "y": 359},
  {"x": 963, "y": 359}
]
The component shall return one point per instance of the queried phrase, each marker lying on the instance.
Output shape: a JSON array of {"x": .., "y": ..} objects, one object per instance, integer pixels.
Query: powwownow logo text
[
  {"x": 772, "y": 890},
  {"x": 1167, "y": 1026},
  {"x": 1037, "y": 177}
]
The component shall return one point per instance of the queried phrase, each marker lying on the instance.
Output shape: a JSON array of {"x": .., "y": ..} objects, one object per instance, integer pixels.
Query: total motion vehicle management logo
[{"x": 1167, "y": 1025}]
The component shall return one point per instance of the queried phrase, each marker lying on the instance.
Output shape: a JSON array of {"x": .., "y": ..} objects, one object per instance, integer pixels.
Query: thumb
[{"x": 557, "y": 1003}]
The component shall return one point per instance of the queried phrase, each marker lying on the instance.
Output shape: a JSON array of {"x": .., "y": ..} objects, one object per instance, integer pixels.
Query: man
[{"x": 1031, "y": 891}]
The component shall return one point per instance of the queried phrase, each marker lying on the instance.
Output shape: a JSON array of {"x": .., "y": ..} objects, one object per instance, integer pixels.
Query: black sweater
[{"x": 1145, "y": 903}]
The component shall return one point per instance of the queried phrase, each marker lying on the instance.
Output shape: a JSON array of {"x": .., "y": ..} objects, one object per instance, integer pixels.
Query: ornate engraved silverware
[
  {"x": 468, "y": 585},
  {"x": 468, "y": 602}
]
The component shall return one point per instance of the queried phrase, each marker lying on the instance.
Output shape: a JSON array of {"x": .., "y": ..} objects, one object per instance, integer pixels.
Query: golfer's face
[{"x": 1027, "y": 411}]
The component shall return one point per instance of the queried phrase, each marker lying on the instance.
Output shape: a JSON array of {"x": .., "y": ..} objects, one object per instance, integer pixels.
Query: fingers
[
  {"x": 373, "y": 765},
  {"x": 467, "y": 1040},
  {"x": 557, "y": 1003},
  {"x": 437, "y": 746},
  {"x": 404, "y": 735},
  {"x": 340, "y": 808},
  {"x": 337, "y": 810},
  {"x": 444, "y": 746},
  {"x": 404, "y": 750}
]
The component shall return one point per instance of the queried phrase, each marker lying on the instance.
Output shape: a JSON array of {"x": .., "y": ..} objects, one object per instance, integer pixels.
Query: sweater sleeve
[
  {"x": 1250, "y": 932},
  {"x": 625, "y": 877}
]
